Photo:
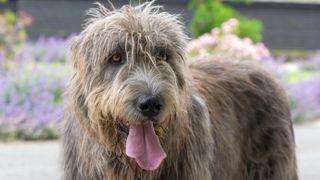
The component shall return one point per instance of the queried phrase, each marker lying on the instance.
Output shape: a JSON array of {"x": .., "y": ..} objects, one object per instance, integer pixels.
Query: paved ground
[
  {"x": 30, "y": 161},
  {"x": 308, "y": 149},
  {"x": 40, "y": 161}
]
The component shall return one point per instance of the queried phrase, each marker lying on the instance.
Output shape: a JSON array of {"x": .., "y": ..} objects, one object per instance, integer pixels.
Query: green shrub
[
  {"x": 209, "y": 14},
  {"x": 250, "y": 28}
]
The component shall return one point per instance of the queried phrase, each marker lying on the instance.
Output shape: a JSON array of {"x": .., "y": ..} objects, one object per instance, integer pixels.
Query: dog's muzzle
[{"x": 150, "y": 106}]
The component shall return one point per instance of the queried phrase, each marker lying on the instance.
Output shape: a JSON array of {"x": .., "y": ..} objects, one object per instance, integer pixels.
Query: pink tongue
[{"x": 144, "y": 146}]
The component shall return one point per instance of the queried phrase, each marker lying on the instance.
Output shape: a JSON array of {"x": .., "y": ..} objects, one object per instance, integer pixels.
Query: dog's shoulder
[
  {"x": 226, "y": 78},
  {"x": 230, "y": 71}
]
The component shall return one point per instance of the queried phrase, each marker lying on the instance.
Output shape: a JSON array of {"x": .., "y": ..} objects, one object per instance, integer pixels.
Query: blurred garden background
[{"x": 282, "y": 35}]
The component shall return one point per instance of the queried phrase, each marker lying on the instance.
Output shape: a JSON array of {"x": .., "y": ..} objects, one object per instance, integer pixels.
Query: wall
[{"x": 287, "y": 25}]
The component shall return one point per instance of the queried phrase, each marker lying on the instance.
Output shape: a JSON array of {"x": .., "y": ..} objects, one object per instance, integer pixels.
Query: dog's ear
[
  {"x": 73, "y": 54},
  {"x": 77, "y": 58}
]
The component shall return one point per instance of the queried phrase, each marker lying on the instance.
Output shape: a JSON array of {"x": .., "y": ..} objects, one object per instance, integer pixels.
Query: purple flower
[
  {"x": 315, "y": 60},
  {"x": 28, "y": 93},
  {"x": 305, "y": 96}
]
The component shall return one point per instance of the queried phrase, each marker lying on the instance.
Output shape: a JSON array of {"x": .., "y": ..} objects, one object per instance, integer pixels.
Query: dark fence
[
  {"x": 10, "y": 5},
  {"x": 286, "y": 25},
  {"x": 63, "y": 17}
]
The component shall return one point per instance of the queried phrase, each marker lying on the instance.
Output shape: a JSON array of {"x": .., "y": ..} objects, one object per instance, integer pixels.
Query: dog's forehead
[
  {"x": 147, "y": 33},
  {"x": 142, "y": 29}
]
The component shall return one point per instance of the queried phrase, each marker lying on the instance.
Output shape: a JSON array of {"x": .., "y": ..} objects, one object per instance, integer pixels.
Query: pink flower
[
  {"x": 223, "y": 43},
  {"x": 233, "y": 22},
  {"x": 263, "y": 50},
  {"x": 25, "y": 18},
  {"x": 230, "y": 25},
  {"x": 227, "y": 28},
  {"x": 207, "y": 40},
  {"x": 215, "y": 32}
]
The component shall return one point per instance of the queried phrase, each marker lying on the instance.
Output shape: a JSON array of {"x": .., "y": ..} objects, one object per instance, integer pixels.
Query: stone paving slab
[{"x": 40, "y": 160}]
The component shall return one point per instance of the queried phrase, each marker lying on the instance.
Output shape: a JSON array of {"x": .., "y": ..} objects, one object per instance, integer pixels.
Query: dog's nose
[{"x": 149, "y": 106}]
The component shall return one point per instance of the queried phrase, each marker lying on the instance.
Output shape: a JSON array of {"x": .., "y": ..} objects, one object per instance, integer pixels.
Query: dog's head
[{"x": 128, "y": 87}]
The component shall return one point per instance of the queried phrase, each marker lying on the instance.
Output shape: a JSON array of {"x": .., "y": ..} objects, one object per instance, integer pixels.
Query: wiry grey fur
[{"x": 222, "y": 120}]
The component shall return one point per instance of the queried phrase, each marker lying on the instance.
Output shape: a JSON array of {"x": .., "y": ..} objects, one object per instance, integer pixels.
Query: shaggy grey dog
[{"x": 138, "y": 109}]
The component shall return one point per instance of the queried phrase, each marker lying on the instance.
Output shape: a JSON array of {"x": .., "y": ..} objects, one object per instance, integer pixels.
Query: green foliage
[
  {"x": 11, "y": 18},
  {"x": 3, "y": 1},
  {"x": 7, "y": 134},
  {"x": 57, "y": 96},
  {"x": 209, "y": 14},
  {"x": 251, "y": 28},
  {"x": 292, "y": 54},
  {"x": 243, "y": 1},
  {"x": 12, "y": 32}
]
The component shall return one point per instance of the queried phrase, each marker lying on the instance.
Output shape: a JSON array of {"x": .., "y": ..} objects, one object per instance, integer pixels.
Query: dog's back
[{"x": 250, "y": 119}]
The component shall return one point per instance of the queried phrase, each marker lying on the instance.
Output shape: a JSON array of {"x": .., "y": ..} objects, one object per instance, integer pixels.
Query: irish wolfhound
[{"x": 137, "y": 109}]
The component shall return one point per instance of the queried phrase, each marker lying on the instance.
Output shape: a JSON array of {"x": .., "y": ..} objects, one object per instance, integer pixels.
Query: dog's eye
[
  {"x": 161, "y": 56},
  {"x": 117, "y": 59}
]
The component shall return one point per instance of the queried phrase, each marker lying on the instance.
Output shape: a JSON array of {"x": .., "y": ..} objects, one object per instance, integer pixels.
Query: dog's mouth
[
  {"x": 143, "y": 145},
  {"x": 123, "y": 129}
]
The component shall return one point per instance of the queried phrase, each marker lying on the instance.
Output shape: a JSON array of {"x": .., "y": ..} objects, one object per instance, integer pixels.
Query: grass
[
  {"x": 8, "y": 134},
  {"x": 292, "y": 54}
]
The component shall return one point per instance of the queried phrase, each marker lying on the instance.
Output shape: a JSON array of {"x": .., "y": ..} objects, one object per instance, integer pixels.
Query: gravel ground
[{"x": 40, "y": 160}]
